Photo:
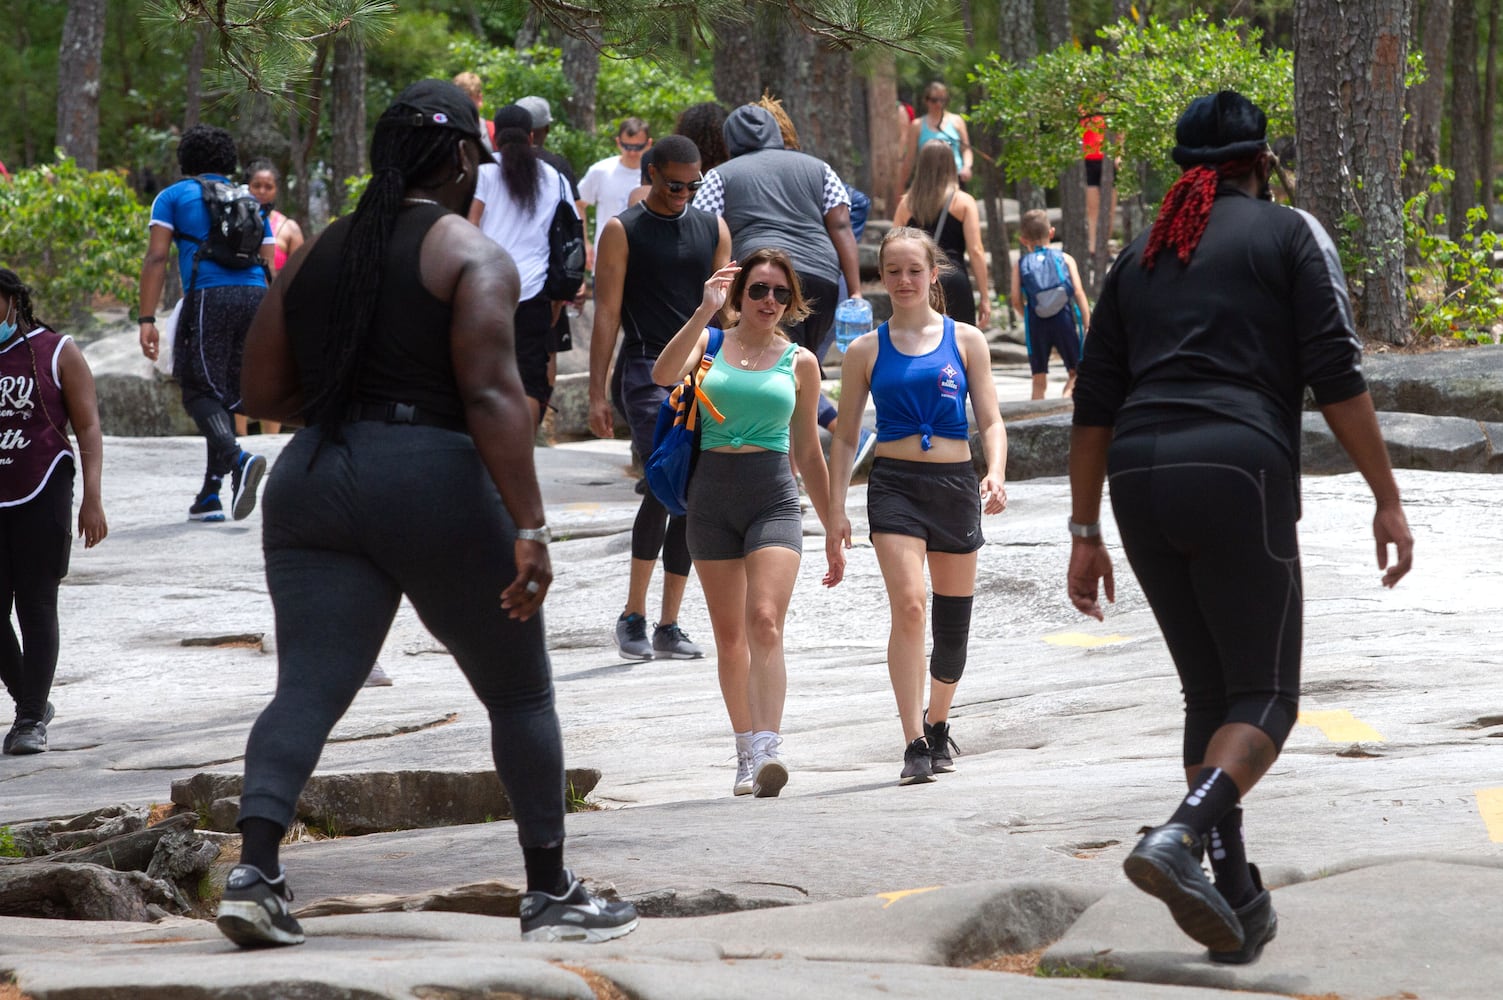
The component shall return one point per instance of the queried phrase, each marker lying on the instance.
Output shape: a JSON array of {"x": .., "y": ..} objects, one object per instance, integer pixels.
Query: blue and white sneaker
[
  {"x": 253, "y": 912},
  {"x": 245, "y": 480},
  {"x": 206, "y": 508},
  {"x": 577, "y": 915}
]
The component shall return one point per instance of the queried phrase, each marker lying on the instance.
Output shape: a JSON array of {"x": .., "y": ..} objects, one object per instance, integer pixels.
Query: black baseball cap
[
  {"x": 1219, "y": 128},
  {"x": 440, "y": 103}
]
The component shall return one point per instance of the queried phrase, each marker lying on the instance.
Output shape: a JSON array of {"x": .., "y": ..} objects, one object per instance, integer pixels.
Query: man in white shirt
[{"x": 609, "y": 183}]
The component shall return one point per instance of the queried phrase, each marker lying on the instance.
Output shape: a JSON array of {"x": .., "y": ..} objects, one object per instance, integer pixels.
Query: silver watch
[
  {"x": 542, "y": 534},
  {"x": 1084, "y": 530}
]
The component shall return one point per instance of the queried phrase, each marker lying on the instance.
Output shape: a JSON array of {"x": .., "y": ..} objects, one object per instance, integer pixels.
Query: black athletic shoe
[
  {"x": 941, "y": 748},
  {"x": 577, "y": 915},
  {"x": 917, "y": 768},
  {"x": 28, "y": 736},
  {"x": 244, "y": 481},
  {"x": 206, "y": 508},
  {"x": 1165, "y": 865},
  {"x": 1259, "y": 926},
  {"x": 253, "y": 912}
]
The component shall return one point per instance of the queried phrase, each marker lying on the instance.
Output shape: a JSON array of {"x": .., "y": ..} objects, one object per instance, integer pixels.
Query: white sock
[
  {"x": 744, "y": 742},
  {"x": 766, "y": 742}
]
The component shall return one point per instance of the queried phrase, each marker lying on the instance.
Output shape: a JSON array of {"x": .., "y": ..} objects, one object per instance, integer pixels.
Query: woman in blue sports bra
[
  {"x": 923, "y": 499},
  {"x": 937, "y": 122},
  {"x": 759, "y": 397}
]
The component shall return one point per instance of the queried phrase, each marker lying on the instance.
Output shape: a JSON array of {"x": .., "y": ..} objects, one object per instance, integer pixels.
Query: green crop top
[{"x": 757, "y": 404}]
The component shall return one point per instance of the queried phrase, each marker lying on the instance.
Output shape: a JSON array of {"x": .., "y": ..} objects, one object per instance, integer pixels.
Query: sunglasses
[
  {"x": 936, "y": 100},
  {"x": 780, "y": 293},
  {"x": 633, "y": 147},
  {"x": 679, "y": 187}
]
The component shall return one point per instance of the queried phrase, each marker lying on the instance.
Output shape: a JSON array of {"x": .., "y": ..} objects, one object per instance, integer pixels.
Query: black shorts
[
  {"x": 638, "y": 398},
  {"x": 533, "y": 325},
  {"x": 939, "y": 502},
  {"x": 1093, "y": 173},
  {"x": 1059, "y": 332}
]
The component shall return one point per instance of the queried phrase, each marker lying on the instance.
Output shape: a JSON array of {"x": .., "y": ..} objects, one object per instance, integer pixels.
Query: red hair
[{"x": 1186, "y": 210}]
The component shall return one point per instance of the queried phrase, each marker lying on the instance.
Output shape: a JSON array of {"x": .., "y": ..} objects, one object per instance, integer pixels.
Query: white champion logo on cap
[{"x": 440, "y": 118}]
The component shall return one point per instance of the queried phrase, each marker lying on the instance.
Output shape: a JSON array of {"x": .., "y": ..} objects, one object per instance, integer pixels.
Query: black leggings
[
  {"x": 35, "y": 539},
  {"x": 654, "y": 531},
  {"x": 397, "y": 509},
  {"x": 206, "y": 362},
  {"x": 1207, "y": 513}
]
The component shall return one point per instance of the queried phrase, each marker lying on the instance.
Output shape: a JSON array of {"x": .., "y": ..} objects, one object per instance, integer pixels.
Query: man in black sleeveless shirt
[{"x": 650, "y": 271}]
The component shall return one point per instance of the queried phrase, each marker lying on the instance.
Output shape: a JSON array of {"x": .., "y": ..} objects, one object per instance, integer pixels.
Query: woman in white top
[{"x": 515, "y": 199}]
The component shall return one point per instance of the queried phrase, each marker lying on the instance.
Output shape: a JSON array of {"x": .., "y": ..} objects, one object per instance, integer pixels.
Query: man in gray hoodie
[{"x": 776, "y": 197}]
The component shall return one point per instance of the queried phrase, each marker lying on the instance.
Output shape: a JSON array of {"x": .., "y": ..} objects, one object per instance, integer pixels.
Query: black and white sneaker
[
  {"x": 253, "y": 912},
  {"x": 244, "y": 481},
  {"x": 917, "y": 768},
  {"x": 577, "y": 915}
]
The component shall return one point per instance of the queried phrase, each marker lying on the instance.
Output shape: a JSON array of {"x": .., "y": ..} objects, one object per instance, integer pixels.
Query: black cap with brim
[
  {"x": 1219, "y": 128},
  {"x": 438, "y": 103}
]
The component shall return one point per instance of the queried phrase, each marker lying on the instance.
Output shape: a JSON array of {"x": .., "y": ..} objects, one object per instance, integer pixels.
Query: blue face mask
[{"x": 8, "y": 328}]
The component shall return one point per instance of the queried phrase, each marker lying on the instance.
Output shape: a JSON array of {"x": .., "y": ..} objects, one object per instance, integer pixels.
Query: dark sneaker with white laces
[
  {"x": 206, "y": 508},
  {"x": 917, "y": 768},
  {"x": 245, "y": 480},
  {"x": 1166, "y": 864},
  {"x": 1260, "y": 925},
  {"x": 669, "y": 642},
  {"x": 253, "y": 912},
  {"x": 942, "y": 749},
  {"x": 29, "y": 736},
  {"x": 577, "y": 915},
  {"x": 631, "y": 637}
]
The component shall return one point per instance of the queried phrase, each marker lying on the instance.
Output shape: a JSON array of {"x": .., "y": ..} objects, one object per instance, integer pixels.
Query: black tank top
[
  {"x": 952, "y": 240},
  {"x": 407, "y": 356},
  {"x": 668, "y": 261}
]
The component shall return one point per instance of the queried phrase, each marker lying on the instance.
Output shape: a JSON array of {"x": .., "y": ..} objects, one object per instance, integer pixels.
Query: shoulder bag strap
[{"x": 944, "y": 216}]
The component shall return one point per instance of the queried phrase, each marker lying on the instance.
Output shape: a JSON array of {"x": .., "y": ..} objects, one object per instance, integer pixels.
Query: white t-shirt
[
  {"x": 607, "y": 185},
  {"x": 523, "y": 235}
]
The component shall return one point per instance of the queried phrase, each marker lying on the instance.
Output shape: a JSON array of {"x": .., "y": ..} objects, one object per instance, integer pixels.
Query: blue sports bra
[{"x": 920, "y": 394}]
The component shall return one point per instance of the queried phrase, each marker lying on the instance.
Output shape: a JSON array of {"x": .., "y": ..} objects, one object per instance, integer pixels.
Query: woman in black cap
[
  {"x": 390, "y": 339},
  {"x": 1208, "y": 330}
]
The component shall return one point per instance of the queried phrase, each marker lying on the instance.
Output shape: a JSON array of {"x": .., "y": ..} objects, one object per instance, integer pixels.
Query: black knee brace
[{"x": 950, "y": 620}]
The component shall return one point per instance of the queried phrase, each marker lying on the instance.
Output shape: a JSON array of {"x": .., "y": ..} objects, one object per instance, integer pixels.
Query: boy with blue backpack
[{"x": 1049, "y": 280}]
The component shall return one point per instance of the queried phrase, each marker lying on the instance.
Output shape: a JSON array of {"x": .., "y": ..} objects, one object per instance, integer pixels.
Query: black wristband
[{"x": 146, "y": 319}]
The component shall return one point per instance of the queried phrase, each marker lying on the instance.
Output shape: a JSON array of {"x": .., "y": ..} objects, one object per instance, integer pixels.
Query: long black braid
[
  {"x": 401, "y": 156},
  {"x": 12, "y": 285}
]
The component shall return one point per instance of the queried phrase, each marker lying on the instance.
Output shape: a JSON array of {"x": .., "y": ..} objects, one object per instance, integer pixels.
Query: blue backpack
[
  {"x": 861, "y": 206},
  {"x": 675, "y": 439},
  {"x": 1046, "y": 281}
]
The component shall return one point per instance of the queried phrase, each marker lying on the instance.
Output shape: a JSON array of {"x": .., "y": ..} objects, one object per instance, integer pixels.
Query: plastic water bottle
[{"x": 853, "y": 317}]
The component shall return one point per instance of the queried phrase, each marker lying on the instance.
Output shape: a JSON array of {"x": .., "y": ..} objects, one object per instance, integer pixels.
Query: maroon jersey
[{"x": 33, "y": 440}]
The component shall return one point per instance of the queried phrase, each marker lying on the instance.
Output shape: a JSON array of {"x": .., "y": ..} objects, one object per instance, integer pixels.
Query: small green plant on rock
[
  {"x": 1454, "y": 288},
  {"x": 8, "y": 846},
  {"x": 575, "y": 802},
  {"x": 1098, "y": 969}
]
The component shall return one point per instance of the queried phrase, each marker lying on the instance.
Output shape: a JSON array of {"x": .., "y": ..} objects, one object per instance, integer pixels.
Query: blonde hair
[
  {"x": 937, "y": 259},
  {"x": 1034, "y": 226},
  {"x": 469, "y": 83},
  {"x": 798, "y": 307},
  {"x": 934, "y": 181},
  {"x": 785, "y": 124}
]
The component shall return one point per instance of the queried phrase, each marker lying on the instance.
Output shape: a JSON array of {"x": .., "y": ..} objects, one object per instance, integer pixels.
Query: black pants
[
  {"x": 35, "y": 540},
  {"x": 1207, "y": 513},
  {"x": 394, "y": 510},
  {"x": 206, "y": 360}
]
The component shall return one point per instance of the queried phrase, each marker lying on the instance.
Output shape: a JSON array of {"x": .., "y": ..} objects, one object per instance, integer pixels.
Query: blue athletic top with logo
[
  {"x": 920, "y": 393},
  {"x": 180, "y": 207}
]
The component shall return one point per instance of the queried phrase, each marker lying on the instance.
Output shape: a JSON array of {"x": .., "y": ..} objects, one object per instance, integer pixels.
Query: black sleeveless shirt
[
  {"x": 407, "y": 355},
  {"x": 668, "y": 262}
]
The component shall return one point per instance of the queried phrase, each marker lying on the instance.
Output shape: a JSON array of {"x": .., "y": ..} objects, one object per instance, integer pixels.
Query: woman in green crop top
[{"x": 745, "y": 527}]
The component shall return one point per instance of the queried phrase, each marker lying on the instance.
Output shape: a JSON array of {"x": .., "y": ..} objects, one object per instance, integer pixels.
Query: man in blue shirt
[{"x": 219, "y": 303}]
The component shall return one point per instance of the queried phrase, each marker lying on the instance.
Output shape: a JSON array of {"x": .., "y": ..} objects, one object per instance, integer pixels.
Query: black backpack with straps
[{"x": 236, "y": 227}]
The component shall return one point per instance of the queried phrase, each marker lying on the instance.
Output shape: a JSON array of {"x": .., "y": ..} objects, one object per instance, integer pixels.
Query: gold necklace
[{"x": 746, "y": 362}]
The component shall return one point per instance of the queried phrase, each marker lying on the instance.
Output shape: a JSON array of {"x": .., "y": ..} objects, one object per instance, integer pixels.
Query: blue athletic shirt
[
  {"x": 180, "y": 208},
  {"x": 920, "y": 393}
]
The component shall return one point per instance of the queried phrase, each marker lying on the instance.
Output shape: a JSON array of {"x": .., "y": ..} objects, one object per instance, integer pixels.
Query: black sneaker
[
  {"x": 941, "y": 748},
  {"x": 244, "y": 481},
  {"x": 577, "y": 915},
  {"x": 28, "y": 736},
  {"x": 669, "y": 642},
  {"x": 253, "y": 912},
  {"x": 1259, "y": 926},
  {"x": 917, "y": 768},
  {"x": 1166, "y": 864},
  {"x": 631, "y": 638},
  {"x": 206, "y": 508}
]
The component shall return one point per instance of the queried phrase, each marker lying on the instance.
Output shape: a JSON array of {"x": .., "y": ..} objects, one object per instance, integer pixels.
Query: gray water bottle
[{"x": 853, "y": 317}]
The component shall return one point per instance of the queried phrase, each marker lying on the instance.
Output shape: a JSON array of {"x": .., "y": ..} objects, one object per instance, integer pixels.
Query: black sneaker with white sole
[
  {"x": 577, "y": 915},
  {"x": 244, "y": 481},
  {"x": 253, "y": 912}
]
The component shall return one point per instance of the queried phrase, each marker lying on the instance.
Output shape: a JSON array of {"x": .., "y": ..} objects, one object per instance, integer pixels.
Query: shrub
[{"x": 1454, "y": 288}]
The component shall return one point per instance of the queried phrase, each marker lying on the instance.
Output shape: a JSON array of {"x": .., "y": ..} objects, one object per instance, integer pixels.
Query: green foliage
[
  {"x": 72, "y": 235},
  {"x": 1098, "y": 969},
  {"x": 1139, "y": 83},
  {"x": 8, "y": 845},
  {"x": 1454, "y": 288}
]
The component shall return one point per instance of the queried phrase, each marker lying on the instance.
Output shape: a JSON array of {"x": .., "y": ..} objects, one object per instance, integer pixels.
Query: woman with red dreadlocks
[{"x": 1188, "y": 401}]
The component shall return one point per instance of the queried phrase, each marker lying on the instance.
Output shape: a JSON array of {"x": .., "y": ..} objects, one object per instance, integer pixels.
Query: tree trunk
[
  {"x": 1056, "y": 21},
  {"x": 1489, "y": 110},
  {"x": 347, "y": 110},
  {"x": 885, "y": 125},
  {"x": 1348, "y": 97},
  {"x": 738, "y": 62},
  {"x": 808, "y": 75},
  {"x": 193, "y": 81},
  {"x": 1425, "y": 102},
  {"x": 581, "y": 64},
  {"x": 79, "y": 58},
  {"x": 1017, "y": 42},
  {"x": 1465, "y": 120}
]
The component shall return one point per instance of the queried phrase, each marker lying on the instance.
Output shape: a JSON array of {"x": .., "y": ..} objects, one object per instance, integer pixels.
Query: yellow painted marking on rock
[
  {"x": 1490, "y": 805},
  {"x": 1341, "y": 726},
  {"x": 1083, "y": 639},
  {"x": 893, "y": 897}
]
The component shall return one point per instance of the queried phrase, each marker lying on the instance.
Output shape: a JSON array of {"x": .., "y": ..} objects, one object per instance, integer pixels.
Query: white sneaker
[
  {"x": 743, "y": 784},
  {"x": 769, "y": 774}
]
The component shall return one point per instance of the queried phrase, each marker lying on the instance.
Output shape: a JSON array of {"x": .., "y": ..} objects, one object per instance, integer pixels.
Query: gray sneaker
[
  {"x": 917, "y": 768},
  {"x": 669, "y": 642},
  {"x": 631, "y": 637}
]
